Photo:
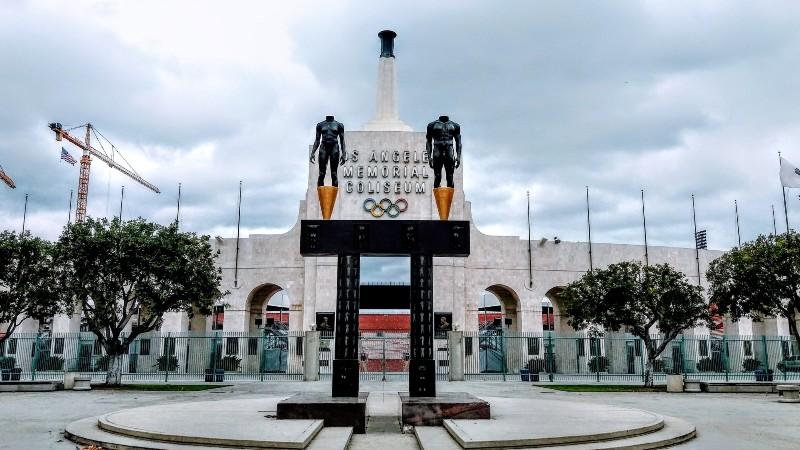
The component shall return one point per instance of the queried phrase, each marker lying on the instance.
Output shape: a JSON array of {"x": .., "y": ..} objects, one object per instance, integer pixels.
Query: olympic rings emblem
[{"x": 385, "y": 206}]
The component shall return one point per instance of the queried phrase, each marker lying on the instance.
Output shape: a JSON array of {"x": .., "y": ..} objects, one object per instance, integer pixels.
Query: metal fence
[
  {"x": 488, "y": 355},
  {"x": 384, "y": 356},
  {"x": 616, "y": 357},
  {"x": 267, "y": 355}
]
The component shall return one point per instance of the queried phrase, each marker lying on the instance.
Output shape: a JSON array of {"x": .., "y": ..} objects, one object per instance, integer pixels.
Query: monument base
[
  {"x": 431, "y": 411},
  {"x": 333, "y": 411}
]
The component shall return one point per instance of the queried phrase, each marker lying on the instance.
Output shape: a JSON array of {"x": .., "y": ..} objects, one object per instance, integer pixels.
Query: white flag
[{"x": 790, "y": 174}]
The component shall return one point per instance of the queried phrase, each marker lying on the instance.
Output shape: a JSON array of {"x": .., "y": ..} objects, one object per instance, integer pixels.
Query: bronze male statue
[
  {"x": 329, "y": 134},
  {"x": 439, "y": 147}
]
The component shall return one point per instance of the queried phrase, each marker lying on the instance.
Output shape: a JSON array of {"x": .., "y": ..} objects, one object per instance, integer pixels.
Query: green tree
[
  {"x": 634, "y": 297},
  {"x": 27, "y": 281},
  {"x": 761, "y": 278},
  {"x": 117, "y": 270}
]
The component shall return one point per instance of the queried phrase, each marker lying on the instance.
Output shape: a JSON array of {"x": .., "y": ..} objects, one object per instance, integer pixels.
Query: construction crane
[
  {"x": 7, "y": 179},
  {"x": 86, "y": 161}
]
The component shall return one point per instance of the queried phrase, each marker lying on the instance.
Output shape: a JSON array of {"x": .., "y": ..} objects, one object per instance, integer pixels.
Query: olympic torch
[
  {"x": 327, "y": 199},
  {"x": 444, "y": 199}
]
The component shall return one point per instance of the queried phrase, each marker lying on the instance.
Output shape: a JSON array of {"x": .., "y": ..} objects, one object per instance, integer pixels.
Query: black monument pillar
[
  {"x": 345, "y": 364},
  {"x": 422, "y": 368}
]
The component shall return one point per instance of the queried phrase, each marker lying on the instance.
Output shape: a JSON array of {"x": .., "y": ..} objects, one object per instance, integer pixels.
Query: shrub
[
  {"x": 49, "y": 362},
  {"x": 535, "y": 365},
  {"x": 598, "y": 364},
  {"x": 751, "y": 364},
  {"x": 229, "y": 363},
  {"x": 166, "y": 363},
  {"x": 7, "y": 362}
]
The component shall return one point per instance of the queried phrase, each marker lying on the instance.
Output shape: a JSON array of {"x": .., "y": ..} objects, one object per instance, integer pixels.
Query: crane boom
[
  {"x": 7, "y": 179},
  {"x": 103, "y": 157},
  {"x": 83, "y": 181}
]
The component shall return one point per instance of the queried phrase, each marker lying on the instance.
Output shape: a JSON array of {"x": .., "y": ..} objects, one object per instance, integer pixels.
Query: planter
[{"x": 674, "y": 383}]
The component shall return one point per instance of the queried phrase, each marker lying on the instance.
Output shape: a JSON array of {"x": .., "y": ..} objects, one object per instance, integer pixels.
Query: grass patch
[
  {"x": 161, "y": 387},
  {"x": 603, "y": 388}
]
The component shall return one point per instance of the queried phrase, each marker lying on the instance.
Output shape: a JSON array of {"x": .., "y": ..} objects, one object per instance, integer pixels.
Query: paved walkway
[{"x": 724, "y": 421}]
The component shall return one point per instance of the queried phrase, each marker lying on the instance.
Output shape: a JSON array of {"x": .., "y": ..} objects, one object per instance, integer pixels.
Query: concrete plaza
[{"x": 723, "y": 421}]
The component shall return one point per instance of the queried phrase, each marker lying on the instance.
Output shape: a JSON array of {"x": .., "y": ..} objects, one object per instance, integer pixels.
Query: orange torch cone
[
  {"x": 444, "y": 198},
  {"x": 327, "y": 198}
]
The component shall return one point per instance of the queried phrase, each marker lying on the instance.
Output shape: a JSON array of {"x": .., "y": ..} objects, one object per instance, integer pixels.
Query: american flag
[{"x": 67, "y": 157}]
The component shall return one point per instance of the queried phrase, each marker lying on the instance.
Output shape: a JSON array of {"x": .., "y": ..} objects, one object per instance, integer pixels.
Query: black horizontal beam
[{"x": 384, "y": 237}]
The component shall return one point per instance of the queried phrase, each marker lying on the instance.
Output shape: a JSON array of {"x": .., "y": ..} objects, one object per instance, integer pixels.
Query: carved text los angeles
[{"x": 394, "y": 171}]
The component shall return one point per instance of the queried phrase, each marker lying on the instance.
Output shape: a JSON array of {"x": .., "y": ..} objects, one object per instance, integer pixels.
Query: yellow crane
[{"x": 86, "y": 161}]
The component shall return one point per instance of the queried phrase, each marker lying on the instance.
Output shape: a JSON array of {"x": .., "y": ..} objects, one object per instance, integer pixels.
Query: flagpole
[
  {"x": 25, "y": 214},
  {"x": 644, "y": 226},
  {"x": 589, "y": 227},
  {"x": 783, "y": 190},
  {"x": 121, "y": 199},
  {"x": 69, "y": 213},
  {"x": 178, "y": 214},
  {"x": 738, "y": 232},
  {"x": 774, "y": 226},
  {"x": 696, "y": 249},
  {"x": 238, "y": 229},
  {"x": 530, "y": 252}
]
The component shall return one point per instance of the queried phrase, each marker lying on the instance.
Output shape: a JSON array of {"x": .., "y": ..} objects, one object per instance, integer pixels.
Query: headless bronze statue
[
  {"x": 439, "y": 146},
  {"x": 329, "y": 134}
]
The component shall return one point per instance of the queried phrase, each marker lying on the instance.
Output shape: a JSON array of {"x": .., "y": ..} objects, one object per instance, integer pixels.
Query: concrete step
[
  {"x": 674, "y": 431},
  {"x": 332, "y": 438},
  {"x": 87, "y": 432}
]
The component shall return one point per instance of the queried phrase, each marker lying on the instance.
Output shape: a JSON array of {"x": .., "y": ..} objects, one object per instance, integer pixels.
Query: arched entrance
[
  {"x": 268, "y": 308},
  {"x": 267, "y": 316},
  {"x": 498, "y": 324},
  {"x": 553, "y": 318},
  {"x": 497, "y": 309}
]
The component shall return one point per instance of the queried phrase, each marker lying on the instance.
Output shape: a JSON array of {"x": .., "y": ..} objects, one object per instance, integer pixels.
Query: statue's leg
[
  {"x": 437, "y": 170},
  {"x": 335, "y": 167},
  {"x": 449, "y": 166},
  {"x": 323, "y": 166}
]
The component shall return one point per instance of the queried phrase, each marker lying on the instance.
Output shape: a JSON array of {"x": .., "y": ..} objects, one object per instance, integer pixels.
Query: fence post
[
  {"x": 311, "y": 356},
  {"x": 166, "y": 356},
  {"x": 725, "y": 356},
  {"x": 36, "y": 355},
  {"x": 455, "y": 345}
]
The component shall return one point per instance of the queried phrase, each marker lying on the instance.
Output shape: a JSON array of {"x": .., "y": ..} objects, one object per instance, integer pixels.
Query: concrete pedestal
[
  {"x": 333, "y": 411},
  {"x": 432, "y": 411},
  {"x": 674, "y": 383}
]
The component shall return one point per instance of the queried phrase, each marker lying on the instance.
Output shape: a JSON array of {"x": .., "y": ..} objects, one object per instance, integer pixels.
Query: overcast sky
[{"x": 671, "y": 97}]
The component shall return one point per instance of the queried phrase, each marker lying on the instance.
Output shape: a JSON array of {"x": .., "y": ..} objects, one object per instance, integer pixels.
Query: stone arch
[
  {"x": 509, "y": 305},
  {"x": 559, "y": 318},
  {"x": 265, "y": 302}
]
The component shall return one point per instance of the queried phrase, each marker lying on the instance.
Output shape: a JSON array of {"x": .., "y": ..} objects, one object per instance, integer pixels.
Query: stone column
[
  {"x": 345, "y": 364},
  {"x": 422, "y": 367},
  {"x": 311, "y": 356},
  {"x": 455, "y": 346}
]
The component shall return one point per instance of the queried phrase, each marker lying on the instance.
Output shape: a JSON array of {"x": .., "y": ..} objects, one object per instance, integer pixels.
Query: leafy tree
[
  {"x": 117, "y": 270},
  {"x": 28, "y": 286},
  {"x": 636, "y": 297},
  {"x": 761, "y": 278}
]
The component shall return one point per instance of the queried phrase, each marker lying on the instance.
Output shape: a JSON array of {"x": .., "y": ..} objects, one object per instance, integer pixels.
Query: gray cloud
[{"x": 551, "y": 96}]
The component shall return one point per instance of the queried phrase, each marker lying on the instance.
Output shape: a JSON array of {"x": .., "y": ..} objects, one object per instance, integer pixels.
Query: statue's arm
[
  {"x": 341, "y": 142},
  {"x": 316, "y": 144},
  {"x": 429, "y": 146},
  {"x": 457, "y": 137}
]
